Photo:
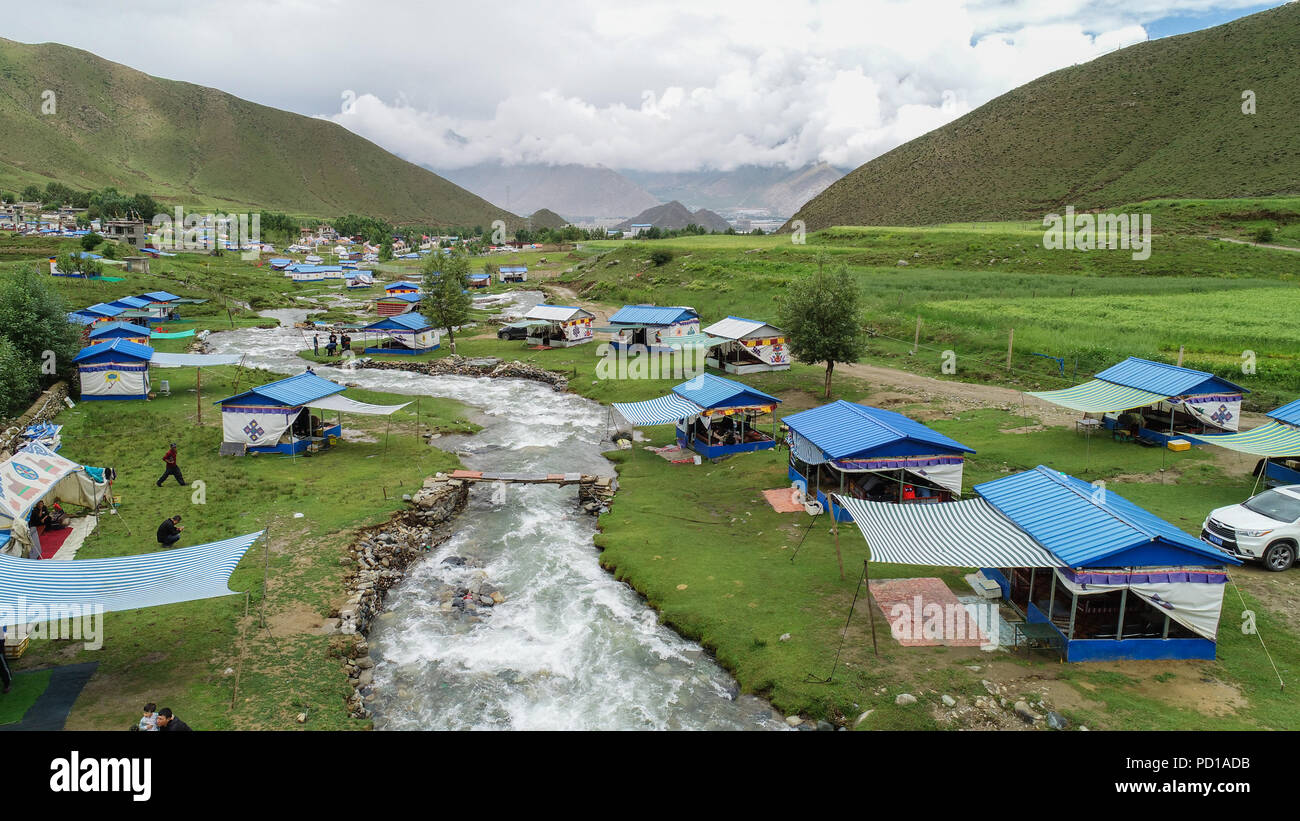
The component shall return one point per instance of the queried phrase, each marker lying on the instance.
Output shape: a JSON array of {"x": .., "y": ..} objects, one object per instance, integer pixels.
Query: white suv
[{"x": 1265, "y": 528}]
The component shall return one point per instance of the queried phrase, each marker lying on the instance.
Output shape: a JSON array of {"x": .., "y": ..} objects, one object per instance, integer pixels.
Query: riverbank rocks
[
  {"x": 380, "y": 556},
  {"x": 455, "y": 365},
  {"x": 905, "y": 699}
]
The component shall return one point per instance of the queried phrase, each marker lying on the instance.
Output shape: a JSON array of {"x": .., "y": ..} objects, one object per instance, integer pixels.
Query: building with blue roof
[
  {"x": 132, "y": 303},
  {"x": 274, "y": 418},
  {"x": 1159, "y": 401},
  {"x": 715, "y": 417},
  {"x": 871, "y": 454},
  {"x": 651, "y": 325},
  {"x": 114, "y": 369},
  {"x": 479, "y": 280},
  {"x": 402, "y": 286},
  {"x": 406, "y": 334},
  {"x": 104, "y": 331},
  {"x": 513, "y": 273},
  {"x": 399, "y": 303},
  {"x": 1100, "y": 577}
]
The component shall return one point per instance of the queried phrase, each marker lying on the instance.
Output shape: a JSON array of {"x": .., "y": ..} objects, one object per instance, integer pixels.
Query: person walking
[
  {"x": 315, "y": 344},
  {"x": 169, "y": 459},
  {"x": 169, "y": 532}
]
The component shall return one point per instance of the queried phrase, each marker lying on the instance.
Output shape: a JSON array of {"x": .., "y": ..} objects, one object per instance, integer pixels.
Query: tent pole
[
  {"x": 871, "y": 610},
  {"x": 1123, "y": 605},
  {"x": 835, "y": 528},
  {"x": 198, "y": 392},
  {"x": 266, "y": 568}
]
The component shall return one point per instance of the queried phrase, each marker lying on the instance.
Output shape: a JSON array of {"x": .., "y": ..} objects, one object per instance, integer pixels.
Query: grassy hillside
[
  {"x": 1158, "y": 119},
  {"x": 200, "y": 147}
]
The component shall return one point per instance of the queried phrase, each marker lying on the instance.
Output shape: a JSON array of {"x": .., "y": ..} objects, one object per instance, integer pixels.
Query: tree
[
  {"x": 32, "y": 193},
  {"x": 76, "y": 264},
  {"x": 386, "y": 251},
  {"x": 820, "y": 317},
  {"x": 18, "y": 380},
  {"x": 446, "y": 300},
  {"x": 89, "y": 241},
  {"x": 33, "y": 318}
]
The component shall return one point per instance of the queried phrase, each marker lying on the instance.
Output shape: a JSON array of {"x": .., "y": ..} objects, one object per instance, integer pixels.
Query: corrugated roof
[
  {"x": 737, "y": 327},
  {"x": 293, "y": 391},
  {"x": 558, "y": 313},
  {"x": 842, "y": 429},
  {"x": 1289, "y": 413},
  {"x": 104, "y": 309},
  {"x": 408, "y": 321},
  {"x": 160, "y": 296},
  {"x": 1084, "y": 525},
  {"x": 400, "y": 297},
  {"x": 118, "y": 328},
  {"x": 402, "y": 283},
  {"x": 709, "y": 391},
  {"x": 131, "y": 302},
  {"x": 1166, "y": 380},
  {"x": 125, "y": 347},
  {"x": 652, "y": 314}
]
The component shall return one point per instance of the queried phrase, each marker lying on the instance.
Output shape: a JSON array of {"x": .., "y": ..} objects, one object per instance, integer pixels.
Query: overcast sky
[{"x": 666, "y": 86}]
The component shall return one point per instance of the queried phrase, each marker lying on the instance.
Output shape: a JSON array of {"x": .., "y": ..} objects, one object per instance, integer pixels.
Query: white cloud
[{"x": 656, "y": 85}]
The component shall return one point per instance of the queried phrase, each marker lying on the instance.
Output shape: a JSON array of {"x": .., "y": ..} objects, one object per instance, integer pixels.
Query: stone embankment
[{"x": 465, "y": 366}]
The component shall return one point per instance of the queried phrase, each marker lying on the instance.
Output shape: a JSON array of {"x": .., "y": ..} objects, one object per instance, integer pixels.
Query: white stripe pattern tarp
[
  {"x": 971, "y": 533},
  {"x": 337, "y": 402},
  {"x": 1099, "y": 396},
  {"x": 666, "y": 410},
  {"x": 32, "y": 588},
  {"x": 1275, "y": 439},
  {"x": 193, "y": 360}
]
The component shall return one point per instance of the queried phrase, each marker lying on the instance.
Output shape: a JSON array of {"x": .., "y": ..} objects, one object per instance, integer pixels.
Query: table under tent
[
  {"x": 1154, "y": 402},
  {"x": 558, "y": 326},
  {"x": 34, "y": 473},
  {"x": 714, "y": 416},
  {"x": 747, "y": 346},
  {"x": 407, "y": 334},
  {"x": 1277, "y": 441},
  {"x": 119, "y": 368},
  {"x": 652, "y": 326},
  {"x": 1091, "y": 573},
  {"x": 276, "y": 417},
  {"x": 871, "y": 454}
]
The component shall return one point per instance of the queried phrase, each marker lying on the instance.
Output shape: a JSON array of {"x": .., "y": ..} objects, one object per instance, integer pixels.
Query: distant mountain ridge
[
  {"x": 776, "y": 190},
  {"x": 674, "y": 216},
  {"x": 577, "y": 192},
  {"x": 1159, "y": 119},
  {"x": 197, "y": 146}
]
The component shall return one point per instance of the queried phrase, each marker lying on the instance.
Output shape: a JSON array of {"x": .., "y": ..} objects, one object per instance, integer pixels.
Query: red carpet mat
[
  {"x": 52, "y": 540},
  {"x": 782, "y": 500},
  {"x": 925, "y": 613}
]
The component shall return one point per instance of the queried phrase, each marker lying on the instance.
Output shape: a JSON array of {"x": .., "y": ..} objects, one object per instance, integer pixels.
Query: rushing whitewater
[{"x": 570, "y": 647}]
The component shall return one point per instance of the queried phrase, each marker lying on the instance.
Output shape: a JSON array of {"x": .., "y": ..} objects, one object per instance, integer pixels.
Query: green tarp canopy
[
  {"x": 1099, "y": 396},
  {"x": 1272, "y": 440}
]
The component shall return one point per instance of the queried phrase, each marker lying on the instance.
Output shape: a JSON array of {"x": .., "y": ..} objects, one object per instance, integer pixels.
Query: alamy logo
[
  {"x": 1088, "y": 232},
  {"x": 204, "y": 232},
  {"x": 128, "y": 775}
]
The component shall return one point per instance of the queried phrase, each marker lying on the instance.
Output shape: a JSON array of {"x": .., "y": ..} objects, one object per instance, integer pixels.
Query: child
[{"x": 149, "y": 721}]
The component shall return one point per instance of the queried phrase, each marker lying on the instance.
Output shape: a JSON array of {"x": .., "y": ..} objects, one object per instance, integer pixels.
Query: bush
[
  {"x": 18, "y": 380},
  {"x": 89, "y": 241},
  {"x": 1264, "y": 234},
  {"x": 661, "y": 257}
]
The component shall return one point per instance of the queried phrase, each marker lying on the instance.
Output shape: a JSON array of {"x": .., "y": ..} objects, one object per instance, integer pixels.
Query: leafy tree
[
  {"x": 144, "y": 207},
  {"x": 76, "y": 264},
  {"x": 446, "y": 301},
  {"x": 18, "y": 380},
  {"x": 112, "y": 250},
  {"x": 661, "y": 256},
  {"x": 32, "y": 193},
  {"x": 820, "y": 317},
  {"x": 386, "y": 251},
  {"x": 33, "y": 317},
  {"x": 89, "y": 241},
  {"x": 7, "y": 196}
]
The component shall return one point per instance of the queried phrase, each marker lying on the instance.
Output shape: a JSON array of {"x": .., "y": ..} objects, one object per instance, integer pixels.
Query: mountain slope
[
  {"x": 546, "y": 218},
  {"x": 1158, "y": 119},
  {"x": 576, "y": 191},
  {"x": 199, "y": 147}
]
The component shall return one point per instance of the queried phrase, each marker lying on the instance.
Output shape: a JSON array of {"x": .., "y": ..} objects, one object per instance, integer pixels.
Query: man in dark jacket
[
  {"x": 169, "y": 532},
  {"x": 170, "y": 723},
  {"x": 169, "y": 459}
]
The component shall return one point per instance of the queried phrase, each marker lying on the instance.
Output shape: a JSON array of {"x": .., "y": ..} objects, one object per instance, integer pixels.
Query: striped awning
[
  {"x": 1100, "y": 396},
  {"x": 1274, "y": 439},
  {"x": 665, "y": 410},
  {"x": 970, "y": 533},
  {"x": 31, "y": 590}
]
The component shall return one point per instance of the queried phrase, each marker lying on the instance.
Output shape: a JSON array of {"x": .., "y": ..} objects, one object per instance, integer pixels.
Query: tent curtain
[
  {"x": 1192, "y": 597},
  {"x": 256, "y": 426}
]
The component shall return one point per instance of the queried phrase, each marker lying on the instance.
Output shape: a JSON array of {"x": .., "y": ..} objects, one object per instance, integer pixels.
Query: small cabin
[{"x": 558, "y": 326}]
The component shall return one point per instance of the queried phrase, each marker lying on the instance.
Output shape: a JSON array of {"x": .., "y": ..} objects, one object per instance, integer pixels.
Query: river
[{"x": 570, "y": 648}]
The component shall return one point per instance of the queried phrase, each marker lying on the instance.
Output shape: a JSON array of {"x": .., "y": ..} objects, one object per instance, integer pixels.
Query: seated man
[{"x": 169, "y": 532}]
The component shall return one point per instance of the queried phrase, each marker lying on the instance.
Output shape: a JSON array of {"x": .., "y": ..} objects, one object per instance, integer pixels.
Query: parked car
[
  {"x": 515, "y": 330},
  {"x": 1264, "y": 528}
]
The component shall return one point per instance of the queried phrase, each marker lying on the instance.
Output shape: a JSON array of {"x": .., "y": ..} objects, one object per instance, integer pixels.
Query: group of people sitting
[
  {"x": 155, "y": 720},
  {"x": 47, "y": 517}
]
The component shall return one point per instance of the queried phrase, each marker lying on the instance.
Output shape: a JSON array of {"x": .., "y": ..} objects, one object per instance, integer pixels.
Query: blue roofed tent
[
  {"x": 409, "y": 333},
  {"x": 104, "y": 309},
  {"x": 402, "y": 286},
  {"x": 131, "y": 303},
  {"x": 873, "y": 454},
  {"x": 162, "y": 304},
  {"x": 273, "y": 418},
  {"x": 1278, "y": 441},
  {"x": 1169, "y": 400},
  {"x": 651, "y": 325},
  {"x": 129, "y": 331},
  {"x": 115, "y": 369},
  {"x": 513, "y": 273},
  {"x": 558, "y": 326},
  {"x": 729, "y": 417},
  {"x": 1113, "y": 580},
  {"x": 478, "y": 280},
  {"x": 747, "y": 346}
]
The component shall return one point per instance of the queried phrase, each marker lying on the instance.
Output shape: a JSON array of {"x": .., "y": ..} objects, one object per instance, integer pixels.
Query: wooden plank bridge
[{"x": 591, "y": 488}]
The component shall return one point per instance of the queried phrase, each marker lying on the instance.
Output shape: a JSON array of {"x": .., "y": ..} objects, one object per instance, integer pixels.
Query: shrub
[
  {"x": 1264, "y": 234},
  {"x": 661, "y": 257}
]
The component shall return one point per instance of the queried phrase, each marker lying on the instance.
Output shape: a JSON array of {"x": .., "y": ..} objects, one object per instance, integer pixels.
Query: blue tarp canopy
[
  {"x": 845, "y": 430},
  {"x": 1136, "y": 383},
  {"x": 35, "y": 591},
  {"x": 401, "y": 322}
]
